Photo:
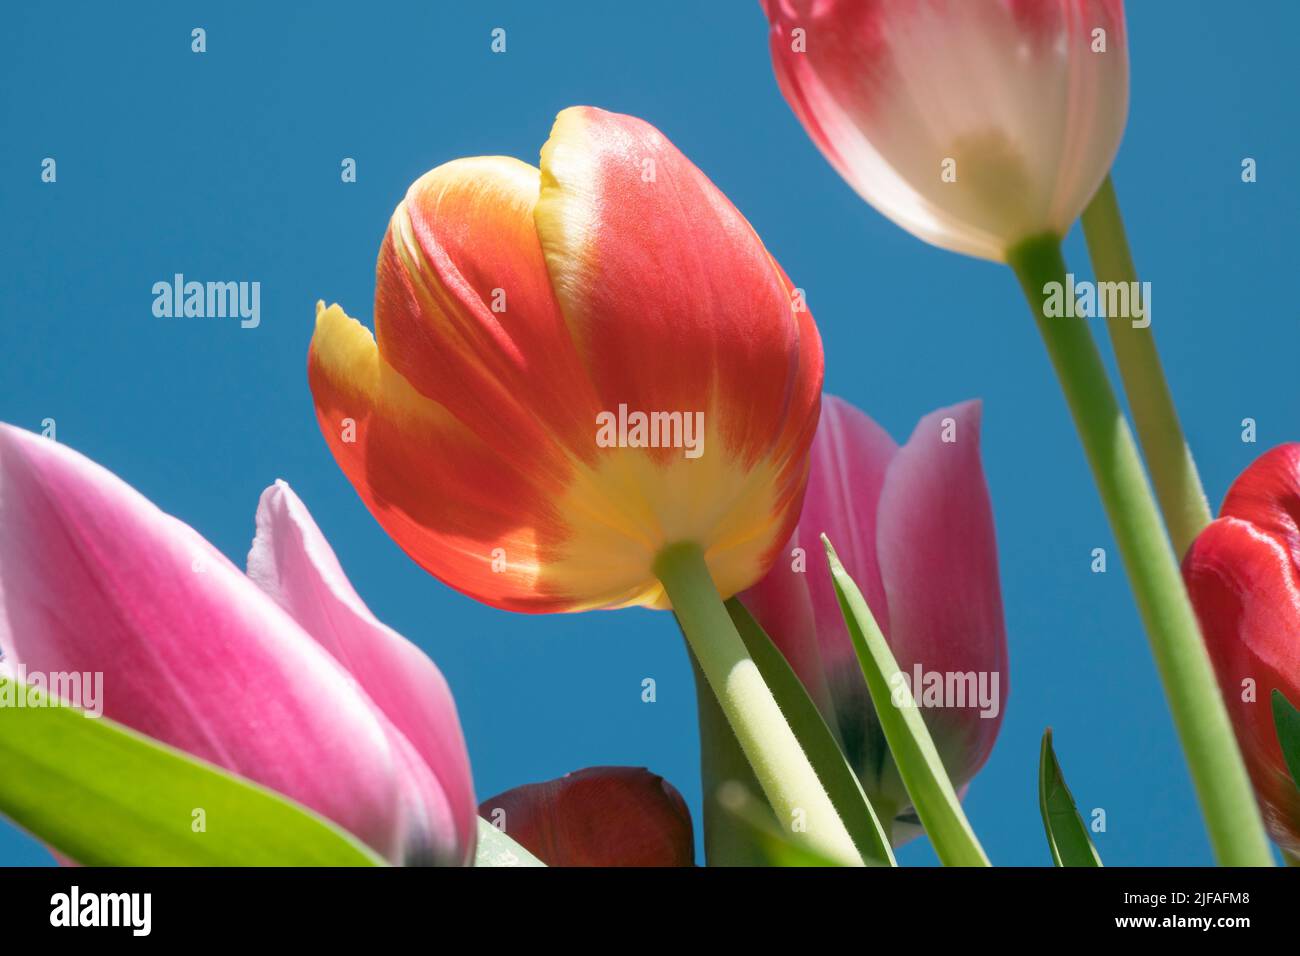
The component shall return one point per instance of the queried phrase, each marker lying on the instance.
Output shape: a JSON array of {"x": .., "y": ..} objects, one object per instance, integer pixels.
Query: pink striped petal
[
  {"x": 293, "y": 563},
  {"x": 95, "y": 578},
  {"x": 939, "y": 565}
]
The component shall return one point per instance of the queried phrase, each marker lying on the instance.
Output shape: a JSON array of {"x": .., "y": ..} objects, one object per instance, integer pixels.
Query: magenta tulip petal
[
  {"x": 95, "y": 578},
  {"x": 850, "y": 457},
  {"x": 939, "y": 563},
  {"x": 914, "y": 528},
  {"x": 797, "y": 605},
  {"x": 293, "y": 563}
]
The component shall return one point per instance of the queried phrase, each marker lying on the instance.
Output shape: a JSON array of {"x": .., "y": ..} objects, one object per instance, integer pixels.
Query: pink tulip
[
  {"x": 282, "y": 676},
  {"x": 914, "y": 528},
  {"x": 973, "y": 124}
]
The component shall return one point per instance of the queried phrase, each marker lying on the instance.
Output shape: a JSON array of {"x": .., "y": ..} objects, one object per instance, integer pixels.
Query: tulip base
[
  {"x": 1227, "y": 801},
  {"x": 789, "y": 782}
]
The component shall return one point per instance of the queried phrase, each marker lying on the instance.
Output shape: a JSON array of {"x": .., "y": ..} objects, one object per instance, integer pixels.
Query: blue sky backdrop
[{"x": 225, "y": 166}]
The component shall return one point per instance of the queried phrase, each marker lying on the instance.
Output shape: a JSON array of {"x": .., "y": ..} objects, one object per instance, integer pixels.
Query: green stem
[
  {"x": 1227, "y": 802},
  {"x": 726, "y": 842},
  {"x": 1173, "y": 472},
  {"x": 793, "y": 790}
]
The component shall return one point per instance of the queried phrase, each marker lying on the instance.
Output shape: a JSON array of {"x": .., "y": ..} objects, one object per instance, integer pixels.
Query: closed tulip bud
[
  {"x": 601, "y": 816},
  {"x": 573, "y": 367},
  {"x": 914, "y": 528},
  {"x": 973, "y": 124},
  {"x": 1243, "y": 574}
]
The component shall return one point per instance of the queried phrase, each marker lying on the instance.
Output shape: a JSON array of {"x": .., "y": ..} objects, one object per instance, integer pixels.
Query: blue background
[{"x": 226, "y": 165}]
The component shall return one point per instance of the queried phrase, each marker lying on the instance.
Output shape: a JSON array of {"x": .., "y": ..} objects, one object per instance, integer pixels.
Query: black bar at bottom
[{"x": 514, "y": 909}]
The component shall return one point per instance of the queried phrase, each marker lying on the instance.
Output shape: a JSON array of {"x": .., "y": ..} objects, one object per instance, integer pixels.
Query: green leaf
[
  {"x": 816, "y": 739},
  {"x": 909, "y": 741},
  {"x": 752, "y": 816},
  {"x": 108, "y": 796},
  {"x": 1067, "y": 836},
  {"x": 496, "y": 849},
  {"x": 1287, "y": 720}
]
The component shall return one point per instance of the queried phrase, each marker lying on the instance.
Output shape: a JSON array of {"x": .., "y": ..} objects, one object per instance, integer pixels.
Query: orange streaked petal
[
  {"x": 452, "y": 502},
  {"x": 464, "y": 308}
]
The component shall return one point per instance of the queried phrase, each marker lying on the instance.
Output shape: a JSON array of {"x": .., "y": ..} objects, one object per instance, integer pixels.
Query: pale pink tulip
[
  {"x": 973, "y": 124},
  {"x": 914, "y": 528},
  {"x": 282, "y": 676}
]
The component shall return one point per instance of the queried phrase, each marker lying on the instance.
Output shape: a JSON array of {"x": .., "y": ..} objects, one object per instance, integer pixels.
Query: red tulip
[
  {"x": 973, "y": 124},
  {"x": 914, "y": 528},
  {"x": 529, "y": 325},
  {"x": 601, "y": 816},
  {"x": 1243, "y": 574},
  {"x": 282, "y": 675}
]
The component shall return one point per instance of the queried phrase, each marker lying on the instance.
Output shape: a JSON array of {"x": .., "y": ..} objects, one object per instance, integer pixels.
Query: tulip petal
[
  {"x": 600, "y": 816},
  {"x": 1245, "y": 588},
  {"x": 465, "y": 312},
  {"x": 939, "y": 566},
  {"x": 487, "y": 527},
  {"x": 1267, "y": 494},
  {"x": 292, "y": 562},
  {"x": 1010, "y": 93},
  {"x": 661, "y": 278},
  {"x": 96, "y": 579}
]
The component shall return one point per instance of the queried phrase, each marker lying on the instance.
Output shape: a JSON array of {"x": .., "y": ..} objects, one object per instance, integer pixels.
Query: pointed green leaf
[
  {"x": 1067, "y": 836},
  {"x": 909, "y": 741},
  {"x": 819, "y": 744},
  {"x": 108, "y": 796},
  {"x": 496, "y": 849},
  {"x": 1287, "y": 720}
]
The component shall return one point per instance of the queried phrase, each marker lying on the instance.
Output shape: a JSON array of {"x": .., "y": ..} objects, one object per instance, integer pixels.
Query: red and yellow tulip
[{"x": 517, "y": 310}]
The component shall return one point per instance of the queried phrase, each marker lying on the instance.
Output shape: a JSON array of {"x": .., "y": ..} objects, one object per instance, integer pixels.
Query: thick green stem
[
  {"x": 793, "y": 790},
  {"x": 726, "y": 841},
  {"x": 1227, "y": 802},
  {"x": 1173, "y": 472}
]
